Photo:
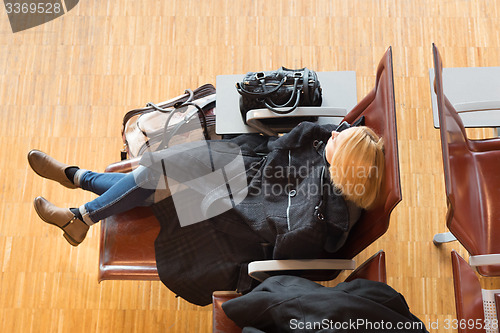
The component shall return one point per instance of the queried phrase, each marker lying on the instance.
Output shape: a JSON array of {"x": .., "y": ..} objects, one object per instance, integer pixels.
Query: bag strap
[
  {"x": 295, "y": 89},
  {"x": 169, "y": 133},
  {"x": 188, "y": 92},
  {"x": 296, "y": 92},
  {"x": 263, "y": 94},
  {"x": 201, "y": 91}
]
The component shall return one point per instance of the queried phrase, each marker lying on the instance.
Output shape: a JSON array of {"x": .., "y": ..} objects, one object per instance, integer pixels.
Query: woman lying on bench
[
  {"x": 354, "y": 159},
  {"x": 303, "y": 192}
]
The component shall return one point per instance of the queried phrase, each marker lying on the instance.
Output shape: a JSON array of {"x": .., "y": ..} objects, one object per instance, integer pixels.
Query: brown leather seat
[
  {"x": 372, "y": 269},
  {"x": 468, "y": 296},
  {"x": 120, "y": 261},
  {"x": 220, "y": 322},
  {"x": 379, "y": 110},
  {"x": 121, "y": 235},
  {"x": 126, "y": 249},
  {"x": 472, "y": 179}
]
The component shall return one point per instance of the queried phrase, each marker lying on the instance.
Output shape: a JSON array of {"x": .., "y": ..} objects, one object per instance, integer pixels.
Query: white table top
[
  {"x": 339, "y": 90},
  {"x": 474, "y": 92}
]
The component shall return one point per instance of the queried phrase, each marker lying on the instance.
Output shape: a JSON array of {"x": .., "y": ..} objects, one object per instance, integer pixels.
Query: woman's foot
[
  {"x": 74, "y": 229},
  {"x": 47, "y": 167}
]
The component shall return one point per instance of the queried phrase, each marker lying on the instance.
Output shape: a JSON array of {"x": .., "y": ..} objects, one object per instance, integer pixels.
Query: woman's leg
[
  {"x": 129, "y": 191},
  {"x": 121, "y": 193},
  {"x": 96, "y": 182},
  {"x": 71, "y": 176}
]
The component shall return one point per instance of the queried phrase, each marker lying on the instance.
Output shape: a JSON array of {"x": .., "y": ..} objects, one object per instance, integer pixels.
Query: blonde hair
[{"x": 357, "y": 165}]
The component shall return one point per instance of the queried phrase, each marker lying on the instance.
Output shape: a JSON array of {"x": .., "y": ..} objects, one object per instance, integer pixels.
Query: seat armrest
[
  {"x": 255, "y": 116},
  {"x": 484, "y": 260},
  {"x": 476, "y": 106},
  {"x": 485, "y": 145},
  {"x": 124, "y": 166},
  {"x": 444, "y": 237},
  {"x": 258, "y": 269}
]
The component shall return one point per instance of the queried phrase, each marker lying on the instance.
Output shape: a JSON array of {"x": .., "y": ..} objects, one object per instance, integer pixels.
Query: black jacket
[
  {"x": 289, "y": 303},
  {"x": 291, "y": 211}
]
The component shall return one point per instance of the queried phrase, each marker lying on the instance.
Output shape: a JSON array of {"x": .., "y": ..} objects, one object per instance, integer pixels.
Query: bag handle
[
  {"x": 296, "y": 92},
  {"x": 189, "y": 99},
  {"x": 202, "y": 91},
  {"x": 168, "y": 134},
  {"x": 263, "y": 94},
  {"x": 190, "y": 94}
]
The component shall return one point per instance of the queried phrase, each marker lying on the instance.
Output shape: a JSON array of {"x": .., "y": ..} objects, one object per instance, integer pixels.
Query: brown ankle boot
[
  {"x": 74, "y": 229},
  {"x": 47, "y": 167}
]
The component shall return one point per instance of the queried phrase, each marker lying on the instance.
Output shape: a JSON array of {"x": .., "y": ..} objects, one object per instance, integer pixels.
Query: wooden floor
[{"x": 65, "y": 85}]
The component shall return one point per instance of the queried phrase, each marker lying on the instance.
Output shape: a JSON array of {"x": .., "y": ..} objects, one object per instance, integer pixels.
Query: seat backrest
[
  {"x": 468, "y": 295},
  {"x": 471, "y": 180},
  {"x": 459, "y": 168},
  {"x": 379, "y": 110},
  {"x": 220, "y": 322},
  {"x": 372, "y": 269}
]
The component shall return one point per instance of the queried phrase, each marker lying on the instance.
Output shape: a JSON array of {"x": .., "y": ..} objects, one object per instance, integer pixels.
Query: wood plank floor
[{"x": 65, "y": 85}]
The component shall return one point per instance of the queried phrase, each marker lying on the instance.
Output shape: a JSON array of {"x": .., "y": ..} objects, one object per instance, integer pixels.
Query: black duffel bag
[{"x": 284, "y": 88}]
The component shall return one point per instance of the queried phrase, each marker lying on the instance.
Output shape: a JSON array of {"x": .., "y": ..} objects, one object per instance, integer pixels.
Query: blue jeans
[{"x": 118, "y": 192}]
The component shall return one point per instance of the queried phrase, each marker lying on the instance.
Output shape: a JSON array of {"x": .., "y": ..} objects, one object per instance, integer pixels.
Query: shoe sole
[{"x": 65, "y": 234}]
